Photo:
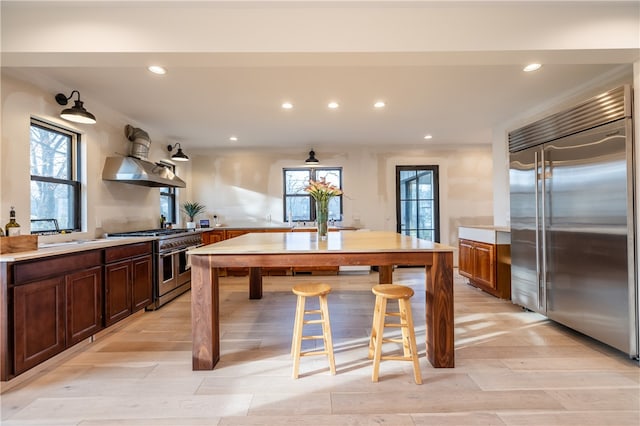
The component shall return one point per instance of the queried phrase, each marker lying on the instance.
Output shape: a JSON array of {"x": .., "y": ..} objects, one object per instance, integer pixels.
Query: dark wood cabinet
[
  {"x": 486, "y": 266},
  {"x": 39, "y": 322},
  {"x": 128, "y": 280},
  {"x": 141, "y": 282},
  {"x": 117, "y": 291},
  {"x": 54, "y": 302},
  {"x": 57, "y": 302},
  {"x": 83, "y": 304}
]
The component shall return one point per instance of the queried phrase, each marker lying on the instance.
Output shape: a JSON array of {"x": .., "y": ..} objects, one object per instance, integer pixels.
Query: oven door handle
[{"x": 171, "y": 253}]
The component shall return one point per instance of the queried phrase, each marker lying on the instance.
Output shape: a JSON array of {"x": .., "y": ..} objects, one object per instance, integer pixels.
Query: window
[
  {"x": 168, "y": 199},
  {"x": 298, "y": 204},
  {"x": 55, "y": 180},
  {"x": 417, "y": 205}
]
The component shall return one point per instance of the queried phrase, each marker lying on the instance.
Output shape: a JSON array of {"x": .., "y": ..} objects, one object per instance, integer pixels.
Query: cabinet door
[
  {"x": 465, "y": 258},
  {"x": 484, "y": 266},
  {"x": 232, "y": 233},
  {"x": 39, "y": 322},
  {"x": 84, "y": 304},
  {"x": 117, "y": 291},
  {"x": 210, "y": 237},
  {"x": 141, "y": 281}
]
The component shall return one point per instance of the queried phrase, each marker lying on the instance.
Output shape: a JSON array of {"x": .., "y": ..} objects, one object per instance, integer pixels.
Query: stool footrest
[
  {"x": 314, "y": 353},
  {"x": 312, "y": 337},
  {"x": 313, "y": 311},
  {"x": 397, "y": 357},
  {"x": 316, "y": 321},
  {"x": 395, "y": 324}
]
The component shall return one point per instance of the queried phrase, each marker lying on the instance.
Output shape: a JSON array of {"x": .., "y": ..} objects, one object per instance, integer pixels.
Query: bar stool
[
  {"x": 311, "y": 290},
  {"x": 402, "y": 294}
]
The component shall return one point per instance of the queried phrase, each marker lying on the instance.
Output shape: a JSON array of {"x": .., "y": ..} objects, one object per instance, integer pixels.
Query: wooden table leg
[
  {"x": 255, "y": 283},
  {"x": 385, "y": 274},
  {"x": 439, "y": 309},
  {"x": 205, "y": 313}
]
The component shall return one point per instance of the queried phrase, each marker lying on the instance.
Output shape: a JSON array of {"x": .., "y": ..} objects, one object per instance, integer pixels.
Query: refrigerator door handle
[
  {"x": 537, "y": 219},
  {"x": 542, "y": 282}
]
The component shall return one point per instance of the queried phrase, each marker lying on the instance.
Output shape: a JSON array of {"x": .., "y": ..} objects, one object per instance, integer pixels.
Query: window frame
[
  {"x": 435, "y": 200},
  {"x": 170, "y": 193},
  {"x": 74, "y": 164},
  {"x": 313, "y": 171}
]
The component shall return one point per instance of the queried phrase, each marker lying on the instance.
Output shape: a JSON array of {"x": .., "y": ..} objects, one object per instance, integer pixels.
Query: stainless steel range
[{"x": 172, "y": 275}]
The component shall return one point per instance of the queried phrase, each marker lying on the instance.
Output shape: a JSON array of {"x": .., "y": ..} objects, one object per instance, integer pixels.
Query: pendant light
[
  {"x": 179, "y": 155},
  {"x": 312, "y": 158},
  {"x": 77, "y": 113}
]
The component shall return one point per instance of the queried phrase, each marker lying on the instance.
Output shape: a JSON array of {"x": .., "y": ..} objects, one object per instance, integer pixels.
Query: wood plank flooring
[{"x": 512, "y": 368}]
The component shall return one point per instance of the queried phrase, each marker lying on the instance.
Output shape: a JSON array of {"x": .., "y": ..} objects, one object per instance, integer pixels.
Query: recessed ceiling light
[
  {"x": 157, "y": 69},
  {"x": 428, "y": 137},
  {"x": 333, "y": 105},
  {"x": 233, "y": 138},
  {"x": 287, "y": 105},
  {"x": 532, "y": 67},
  {"x": 379, "y": 104}
]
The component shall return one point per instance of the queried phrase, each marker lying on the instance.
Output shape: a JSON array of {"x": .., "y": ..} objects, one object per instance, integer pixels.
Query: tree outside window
[{"x": 55, "y": 183}]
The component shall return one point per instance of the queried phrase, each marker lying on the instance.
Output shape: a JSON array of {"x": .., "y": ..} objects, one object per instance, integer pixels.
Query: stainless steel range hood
[{"x": 140, "y": 172}]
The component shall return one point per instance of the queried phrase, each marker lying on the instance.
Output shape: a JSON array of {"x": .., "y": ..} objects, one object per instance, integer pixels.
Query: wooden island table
[{"x": 277, "y": 249}]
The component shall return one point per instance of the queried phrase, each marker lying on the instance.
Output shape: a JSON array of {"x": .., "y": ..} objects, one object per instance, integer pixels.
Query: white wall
[
  {"x": 240, "y": 186},
  {"x": 109, "y": 206}
]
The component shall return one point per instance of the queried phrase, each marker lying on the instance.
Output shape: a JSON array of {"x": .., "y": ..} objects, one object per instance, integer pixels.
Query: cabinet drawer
[
  {"x": 113, "y": 254},
  {"x": 55, "y": 266}
]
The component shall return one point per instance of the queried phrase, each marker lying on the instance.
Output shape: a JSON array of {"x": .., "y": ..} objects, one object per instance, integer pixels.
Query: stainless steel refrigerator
[{"x": 572, "y": 219}]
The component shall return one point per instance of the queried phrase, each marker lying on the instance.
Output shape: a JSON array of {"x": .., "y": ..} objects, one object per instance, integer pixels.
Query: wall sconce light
[
  {"x": 179, "y": 155},
  {"x": 77, "y": 113},
  {"x": 312, "y": 158}
]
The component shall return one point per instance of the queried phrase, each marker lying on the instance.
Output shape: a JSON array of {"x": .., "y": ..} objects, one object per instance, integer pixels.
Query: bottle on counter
[{"x": 12, "y": 228}]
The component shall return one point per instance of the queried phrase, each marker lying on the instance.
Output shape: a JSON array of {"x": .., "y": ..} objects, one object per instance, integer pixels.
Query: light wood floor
[{"x": 512, "y": 368}]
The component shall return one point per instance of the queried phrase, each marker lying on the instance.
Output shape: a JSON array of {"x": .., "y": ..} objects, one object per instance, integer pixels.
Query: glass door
[{"x": 417, "y": 203}]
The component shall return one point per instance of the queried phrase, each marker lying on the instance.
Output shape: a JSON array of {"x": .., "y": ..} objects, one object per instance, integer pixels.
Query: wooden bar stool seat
[
  {"x": 402, "y": 294},
  {"x": 303, "y": 291}
]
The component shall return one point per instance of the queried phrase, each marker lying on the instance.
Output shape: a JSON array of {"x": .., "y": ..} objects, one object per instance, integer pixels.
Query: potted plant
[{"x": 192, "y": 209}]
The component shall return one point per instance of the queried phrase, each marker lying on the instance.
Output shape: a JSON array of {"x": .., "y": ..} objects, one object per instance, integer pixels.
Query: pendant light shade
[
  {"x": 312, "y": 158},
  {"x": 77, "y": 113},
  {"x": 179, "y": 155}
]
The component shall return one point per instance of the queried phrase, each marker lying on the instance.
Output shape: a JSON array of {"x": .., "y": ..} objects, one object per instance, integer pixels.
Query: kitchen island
[{"x": 257, "y": 250}]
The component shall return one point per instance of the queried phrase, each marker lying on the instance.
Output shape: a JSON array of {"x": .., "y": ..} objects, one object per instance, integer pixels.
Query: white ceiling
[{"x": 207, "y": 96}]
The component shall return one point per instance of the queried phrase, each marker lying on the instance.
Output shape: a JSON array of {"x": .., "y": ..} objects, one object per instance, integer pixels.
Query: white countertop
[
  {"x": 486, "y": 234},
  {"x": 53, "y": 249},
  {"x": 246, "y": 225}
]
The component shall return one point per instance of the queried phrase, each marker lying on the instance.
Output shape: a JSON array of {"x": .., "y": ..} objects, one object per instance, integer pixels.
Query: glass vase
[{"x": 322, "y": 217}]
